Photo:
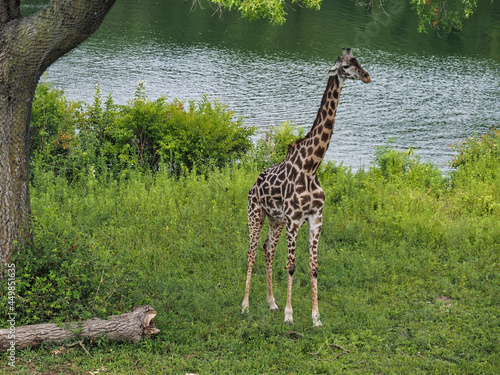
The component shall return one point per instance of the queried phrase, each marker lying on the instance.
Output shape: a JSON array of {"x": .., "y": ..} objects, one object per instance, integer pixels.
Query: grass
[{"x": 408, "y": 283}]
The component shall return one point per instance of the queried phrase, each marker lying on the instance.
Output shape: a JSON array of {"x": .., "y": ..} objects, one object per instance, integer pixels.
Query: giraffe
[{"x": 289, "y": 193}]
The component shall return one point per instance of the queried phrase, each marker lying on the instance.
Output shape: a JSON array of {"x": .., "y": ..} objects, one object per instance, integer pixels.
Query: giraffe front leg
[
  {"x": 314, "y": 233},
  {"x": 291, "y": 235},
  {"x": 288, "y": 307}
]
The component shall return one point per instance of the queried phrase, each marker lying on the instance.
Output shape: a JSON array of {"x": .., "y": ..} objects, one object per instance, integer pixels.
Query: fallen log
[{"x": 132, "y": 326}]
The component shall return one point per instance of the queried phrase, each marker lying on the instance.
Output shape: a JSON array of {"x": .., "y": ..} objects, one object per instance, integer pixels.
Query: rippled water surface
[{"x": 427, "y": 91}]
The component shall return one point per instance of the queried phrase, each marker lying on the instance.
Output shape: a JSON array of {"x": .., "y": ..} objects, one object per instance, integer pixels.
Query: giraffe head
[{"x": 347, "y": 67}]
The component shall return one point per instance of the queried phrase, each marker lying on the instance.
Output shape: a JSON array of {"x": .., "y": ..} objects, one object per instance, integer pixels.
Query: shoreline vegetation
[{"x": 146, "y": 203}]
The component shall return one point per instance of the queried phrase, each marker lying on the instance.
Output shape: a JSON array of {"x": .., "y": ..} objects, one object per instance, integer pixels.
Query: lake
[{"x": 428, "y": 90}]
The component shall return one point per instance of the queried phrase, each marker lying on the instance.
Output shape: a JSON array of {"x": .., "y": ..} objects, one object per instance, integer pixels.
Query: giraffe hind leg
[
  {"x": 314, "y": 233},
  {"x": 291, "y": 235},
  {"x": 255, "y": 222},
  {"x": 275, "y": 229}
]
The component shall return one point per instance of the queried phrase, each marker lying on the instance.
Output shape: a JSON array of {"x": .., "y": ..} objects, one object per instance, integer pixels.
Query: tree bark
[
  {"x": 132, "y": 326},
  {"x": 28, "y": 46}
]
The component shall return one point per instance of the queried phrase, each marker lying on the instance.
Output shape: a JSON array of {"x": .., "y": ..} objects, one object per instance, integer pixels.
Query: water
[{"x": 427, "y": 91}]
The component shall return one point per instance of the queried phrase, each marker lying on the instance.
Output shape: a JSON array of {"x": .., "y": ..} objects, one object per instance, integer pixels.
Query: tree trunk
[
  {"x": 132, "y": 326},
  {"x": 28, "y": 46}
]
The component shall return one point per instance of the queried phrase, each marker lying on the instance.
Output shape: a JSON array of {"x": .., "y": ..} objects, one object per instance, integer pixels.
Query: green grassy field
[
  {"x": 408, "y": 282},
  {"x": 409, "y": 260}
]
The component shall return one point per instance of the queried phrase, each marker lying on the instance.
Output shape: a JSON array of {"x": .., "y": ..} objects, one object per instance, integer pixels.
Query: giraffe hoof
[
  {"x": 316, "y": 321},
  {"x": 244, "y": 309},
  {"x": 317, "y": 324},
  {"x": 273, "y": 306}
]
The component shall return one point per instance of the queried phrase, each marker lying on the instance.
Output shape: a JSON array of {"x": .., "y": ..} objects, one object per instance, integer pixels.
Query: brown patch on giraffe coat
[
  {"x": 325, "y": 137},
  {"x": 298, "y": 163},
  {"x": 337, "y": 82},
  {"x": 305, "y": 200},
  {"x": 308, "y": 164},
  {"x": 294, "y": 202},
  {"x": 317, "y": 204},
  {"x": 301, "y": 184},
  {"x": 320, "y": 152},
  {"x": 319, "y": 195},
  {"x": 314, "y": 273},
  {"x": 329, "y": 124},
  {"x": 303, "y": 152},
  {"x": 292, "y": 175},
  {"x": 297, "y": 215}
]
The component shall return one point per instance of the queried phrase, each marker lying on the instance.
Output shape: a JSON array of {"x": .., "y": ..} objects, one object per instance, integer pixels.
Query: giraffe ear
[{"x": 334, "y": 69}]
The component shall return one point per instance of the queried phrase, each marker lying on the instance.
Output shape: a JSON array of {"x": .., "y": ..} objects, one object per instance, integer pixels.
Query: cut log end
[{"x": 149, "y": 326}]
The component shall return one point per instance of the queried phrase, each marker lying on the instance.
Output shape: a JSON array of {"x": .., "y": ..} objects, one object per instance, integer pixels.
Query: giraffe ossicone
[{"x": 289, "y": 193}]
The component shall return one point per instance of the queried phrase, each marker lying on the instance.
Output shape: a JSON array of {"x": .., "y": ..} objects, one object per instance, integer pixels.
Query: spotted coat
[{"x": 289, "y": 193}]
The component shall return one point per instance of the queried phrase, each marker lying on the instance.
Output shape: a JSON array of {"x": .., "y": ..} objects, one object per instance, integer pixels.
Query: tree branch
[
  {"x": 9, "y": 10},
  {"x": 53, "y": 31}
]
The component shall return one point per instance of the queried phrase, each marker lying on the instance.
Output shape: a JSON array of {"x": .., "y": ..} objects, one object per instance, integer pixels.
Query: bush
[
  {"x": 53, "y": 127},
  {"x": 477, "y": 178},
  {"x": 66, "y": 276},
  {"x": 485, "y": 146},
  {"x": 75, "y": 139},
  {"x": 148, "y": 134},
  {"x": 272, "y": 147},
  {"x": 478, "y": 158},
  {"x": 405, "y": 165}
]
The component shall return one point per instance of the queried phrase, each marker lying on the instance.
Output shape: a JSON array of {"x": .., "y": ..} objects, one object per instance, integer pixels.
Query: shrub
[
  {"x": 65, "y": 277},
  {"x": 75, "y": 139},
  {"x": 154, "y": 133},
  {"x": 478, "y": 158},
  {"x": 53, "y": 127},
  {"x": 477, "y": 178},
  {"x": 272, "y": 147},
  {"x": 485, "y": 146},
  {"x": 95, "y": 151},
  {"x": 406, "y": 166}
]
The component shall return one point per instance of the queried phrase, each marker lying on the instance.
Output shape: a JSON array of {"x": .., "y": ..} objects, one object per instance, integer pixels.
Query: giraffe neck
[{"x": 308, "y": 152}]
